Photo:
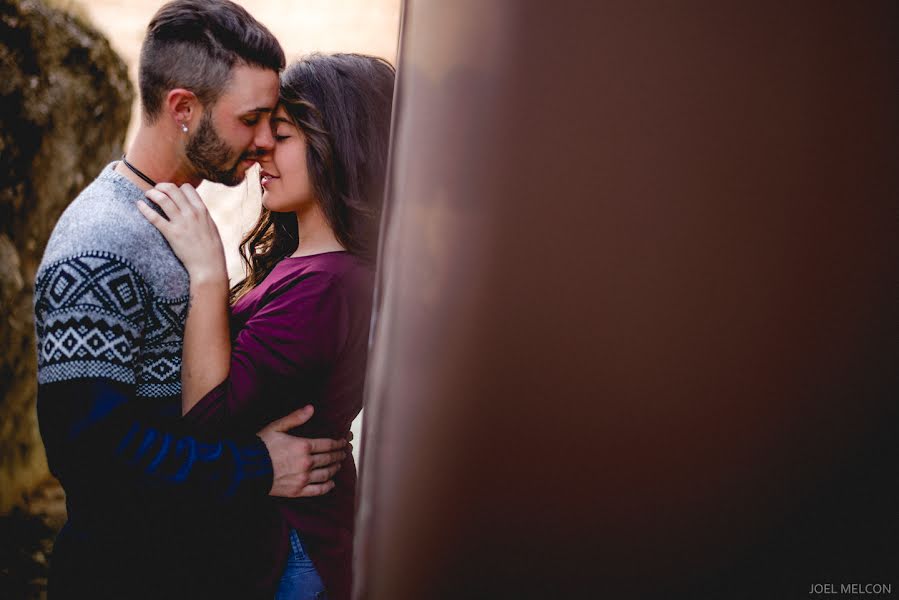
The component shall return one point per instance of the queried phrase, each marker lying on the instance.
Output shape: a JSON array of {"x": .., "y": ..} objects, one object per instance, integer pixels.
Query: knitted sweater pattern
[{"x": 110, "y": 296}]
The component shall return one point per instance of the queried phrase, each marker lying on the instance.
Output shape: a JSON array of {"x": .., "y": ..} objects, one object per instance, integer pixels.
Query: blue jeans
[{"x": 300, "y": 580}]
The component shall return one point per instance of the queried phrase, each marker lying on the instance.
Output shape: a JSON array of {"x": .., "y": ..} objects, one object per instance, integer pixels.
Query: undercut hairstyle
[
  {"x": 342, "y": 104},
  {"x": 194, "y": 44}
]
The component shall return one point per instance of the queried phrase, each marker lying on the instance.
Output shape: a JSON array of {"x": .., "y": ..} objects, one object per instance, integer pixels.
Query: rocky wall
[{"x": 65, "y": 101}]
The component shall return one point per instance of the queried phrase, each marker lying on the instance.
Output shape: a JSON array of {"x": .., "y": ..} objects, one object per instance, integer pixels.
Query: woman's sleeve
[{"x": 298, "y": 331}]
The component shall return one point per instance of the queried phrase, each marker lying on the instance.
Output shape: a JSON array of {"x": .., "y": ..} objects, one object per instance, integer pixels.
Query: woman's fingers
[
  {"x": 188, "y": 229},
  {"x": 192, "y": 198},
  {"x": 164, "y": 202},
  {"x": 181, "y": 201},
  {"x": 175, "y": 194},
  {"x": 177, "y": 202},
  {"x": 153, "y": 217}
]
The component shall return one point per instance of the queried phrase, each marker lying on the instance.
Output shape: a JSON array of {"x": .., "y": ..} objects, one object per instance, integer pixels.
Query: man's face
[{"x": 236, "y": 131}]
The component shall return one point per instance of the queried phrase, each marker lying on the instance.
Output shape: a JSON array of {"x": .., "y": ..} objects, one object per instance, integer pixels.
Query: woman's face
[{"x": 284, "y": 175}]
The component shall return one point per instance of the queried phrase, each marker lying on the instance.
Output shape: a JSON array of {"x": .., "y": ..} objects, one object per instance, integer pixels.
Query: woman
[{"x": 299, "y": 321}]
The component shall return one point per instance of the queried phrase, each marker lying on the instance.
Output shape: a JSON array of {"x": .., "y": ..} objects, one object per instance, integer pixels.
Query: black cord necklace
[{"x": 138, "y": 172}]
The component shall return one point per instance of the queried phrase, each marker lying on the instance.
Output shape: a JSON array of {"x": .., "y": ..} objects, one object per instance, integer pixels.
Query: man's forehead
[{"x": 251, "y": 90}]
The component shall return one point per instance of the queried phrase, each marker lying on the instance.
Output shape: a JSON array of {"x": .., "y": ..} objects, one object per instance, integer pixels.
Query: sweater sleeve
[
  {"x": 294, "y": 335},
  {"x": 92, "y": 317}
]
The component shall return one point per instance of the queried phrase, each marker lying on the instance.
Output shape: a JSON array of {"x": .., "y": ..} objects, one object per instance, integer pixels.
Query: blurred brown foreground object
[
  {"x": 637, "y": 331},
  {"x": 65, "y": 99}
]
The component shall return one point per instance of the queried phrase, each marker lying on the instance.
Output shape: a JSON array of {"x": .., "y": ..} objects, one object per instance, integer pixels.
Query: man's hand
[{"x": 301, "y": 467}]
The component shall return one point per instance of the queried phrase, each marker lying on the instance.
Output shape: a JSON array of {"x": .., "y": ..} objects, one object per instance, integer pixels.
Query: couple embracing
[{"x": 200, "y": 431}]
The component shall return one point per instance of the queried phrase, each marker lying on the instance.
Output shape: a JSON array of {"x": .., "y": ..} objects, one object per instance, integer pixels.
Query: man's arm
[
  {"x": 94, "y": 426},
  {"x": 92, "y": 431},
  {"x": 302, "y": 467}
]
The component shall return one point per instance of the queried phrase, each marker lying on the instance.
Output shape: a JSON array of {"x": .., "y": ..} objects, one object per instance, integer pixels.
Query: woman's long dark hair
[{"x": 342, "y": 104}]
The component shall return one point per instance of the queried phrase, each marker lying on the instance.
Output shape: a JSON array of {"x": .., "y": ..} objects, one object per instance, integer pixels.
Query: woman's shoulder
[
  {"x": 350, "y": 272},
  {"x": 341, "y": 271},
  {"x": 334, "y": 267}
]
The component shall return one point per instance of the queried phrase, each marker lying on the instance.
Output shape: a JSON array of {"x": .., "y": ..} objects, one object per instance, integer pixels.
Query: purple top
[{"x": 300, "y": 337}]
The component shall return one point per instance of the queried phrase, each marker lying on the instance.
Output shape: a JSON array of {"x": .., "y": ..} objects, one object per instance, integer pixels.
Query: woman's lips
[{"x": 266, "y": 178}]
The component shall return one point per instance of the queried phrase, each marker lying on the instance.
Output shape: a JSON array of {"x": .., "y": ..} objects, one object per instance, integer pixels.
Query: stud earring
[{"x": 183, "y": 127}]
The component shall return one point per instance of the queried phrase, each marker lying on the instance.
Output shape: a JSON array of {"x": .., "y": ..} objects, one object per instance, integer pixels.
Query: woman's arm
[
  {"x": 291, "y": 340},
  {"x": 207, "y": 343},
  {"x": 194, "y": 238},
  {"x": 295, "y": 334}
]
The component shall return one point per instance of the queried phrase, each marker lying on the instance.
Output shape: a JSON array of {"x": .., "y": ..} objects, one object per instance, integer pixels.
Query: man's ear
[{"x": 183, "y": 105}]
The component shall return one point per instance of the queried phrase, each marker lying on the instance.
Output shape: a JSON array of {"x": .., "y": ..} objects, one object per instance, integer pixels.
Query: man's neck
[{"x": 157, "y": 156}]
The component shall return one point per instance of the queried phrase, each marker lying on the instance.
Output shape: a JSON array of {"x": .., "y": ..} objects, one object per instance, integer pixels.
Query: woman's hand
[
  {"x": 190, "y": 230},
  {"x": 193, "y": 236}
]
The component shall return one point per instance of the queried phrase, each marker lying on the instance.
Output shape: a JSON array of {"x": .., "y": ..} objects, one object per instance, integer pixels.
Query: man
[{"x": 110, "y": 306}]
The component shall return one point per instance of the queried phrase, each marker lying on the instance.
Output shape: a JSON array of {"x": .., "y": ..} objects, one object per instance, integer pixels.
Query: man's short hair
[{"x": 194, "y": 44}]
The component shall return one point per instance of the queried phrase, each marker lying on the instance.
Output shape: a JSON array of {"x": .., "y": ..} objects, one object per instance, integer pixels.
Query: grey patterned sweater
[
  {"x": 111, "y": 297},
  {"x": 110, "y": 306}
]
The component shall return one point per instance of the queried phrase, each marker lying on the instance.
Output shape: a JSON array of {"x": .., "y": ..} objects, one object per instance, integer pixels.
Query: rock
[
  {"x": 24, "y": 563},
  {"x": 65, "y": 102}
]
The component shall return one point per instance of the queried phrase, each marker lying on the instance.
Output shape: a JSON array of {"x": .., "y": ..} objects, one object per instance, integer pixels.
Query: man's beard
[{"x": 211, "y": 156}]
